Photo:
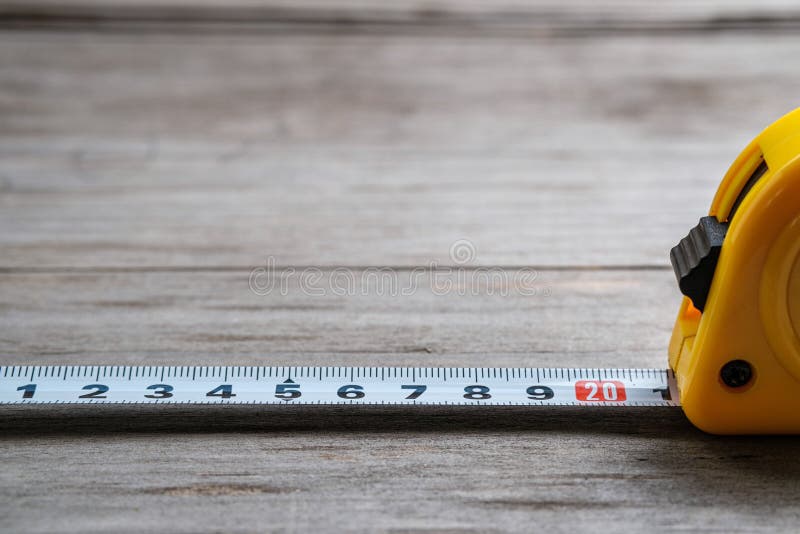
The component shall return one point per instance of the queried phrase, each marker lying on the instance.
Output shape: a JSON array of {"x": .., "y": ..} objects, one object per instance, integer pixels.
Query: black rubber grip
[{"x": 694, "y": 259}]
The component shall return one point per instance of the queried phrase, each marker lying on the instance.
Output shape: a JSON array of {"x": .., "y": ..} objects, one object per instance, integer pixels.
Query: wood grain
[
  {"x": 152, "y": 155},
  {"x": 204, "y": 151},
  {"x": 238, "y": 469},
  {"x": 588, "y": 318},
  {"x": 547, "y": 18}
]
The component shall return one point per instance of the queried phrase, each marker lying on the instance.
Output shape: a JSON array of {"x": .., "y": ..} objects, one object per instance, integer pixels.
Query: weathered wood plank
[
  {"x": 580, "y": 318},
  {"x": 239, "y": 469},
  {"x": 183, "y": 161},
  {"x": 244, "y": 470},
  {"x": 549, "y": 17},
  {"x": 348, "y": 208},
  {"x": 209, "y": 151}
]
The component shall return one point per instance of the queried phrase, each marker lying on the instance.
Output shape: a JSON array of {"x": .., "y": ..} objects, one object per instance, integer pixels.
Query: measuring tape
[
  {"x": 734, "y": 355},
  {"x": 498, "y": 386}
]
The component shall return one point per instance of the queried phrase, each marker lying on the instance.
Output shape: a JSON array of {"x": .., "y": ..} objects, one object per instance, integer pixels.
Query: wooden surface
[{"x": 153, "y": 155}]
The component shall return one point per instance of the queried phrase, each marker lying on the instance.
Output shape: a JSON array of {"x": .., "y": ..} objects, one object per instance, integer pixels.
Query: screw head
[{"x": 736, "y": 373}]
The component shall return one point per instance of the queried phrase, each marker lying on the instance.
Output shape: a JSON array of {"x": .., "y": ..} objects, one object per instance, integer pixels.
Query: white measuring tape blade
[{"x": 498, "y": 386}]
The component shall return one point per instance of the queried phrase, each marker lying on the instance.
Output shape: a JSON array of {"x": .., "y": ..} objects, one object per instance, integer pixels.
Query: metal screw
[{"x": 736, "y": 373}]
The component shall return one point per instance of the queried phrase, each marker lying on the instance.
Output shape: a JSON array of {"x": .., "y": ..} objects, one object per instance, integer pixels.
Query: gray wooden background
[{"x": 152, "y": 155}]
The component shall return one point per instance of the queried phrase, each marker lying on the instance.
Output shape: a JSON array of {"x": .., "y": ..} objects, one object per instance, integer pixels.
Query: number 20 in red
[{"x": 600, "y": 391}]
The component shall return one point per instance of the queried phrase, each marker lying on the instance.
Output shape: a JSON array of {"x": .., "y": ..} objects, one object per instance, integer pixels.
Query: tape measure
[
  {"x": 734, "y": 355},
  {"x": 501, "y": 386},
  {"x": 735, "y": 347}
]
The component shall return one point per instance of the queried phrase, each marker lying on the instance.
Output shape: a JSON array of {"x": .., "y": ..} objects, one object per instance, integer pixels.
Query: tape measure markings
[{"x": 498, "y": 386}]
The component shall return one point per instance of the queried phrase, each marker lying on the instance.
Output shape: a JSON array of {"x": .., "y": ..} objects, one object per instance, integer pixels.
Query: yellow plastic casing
[{"x": 753, "y": 308}]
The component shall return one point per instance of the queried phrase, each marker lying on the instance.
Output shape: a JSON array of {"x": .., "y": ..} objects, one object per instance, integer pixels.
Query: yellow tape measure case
[{"x": 735, "y": 347}]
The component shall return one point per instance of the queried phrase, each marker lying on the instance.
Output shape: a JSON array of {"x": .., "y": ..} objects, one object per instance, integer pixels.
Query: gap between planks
[
  {"x": 432, "y": 18},
  {"x": 240, "y": 268}
]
